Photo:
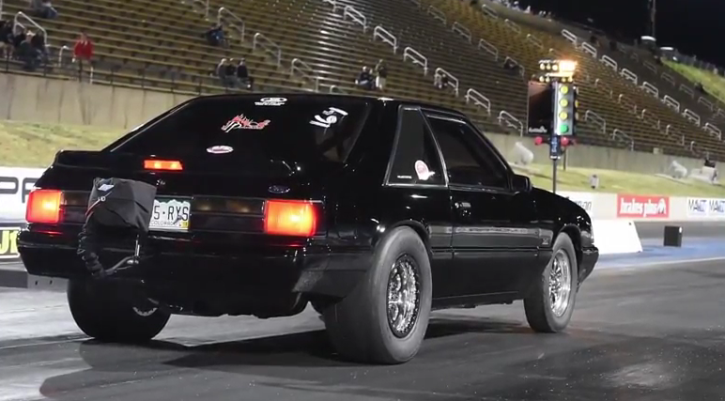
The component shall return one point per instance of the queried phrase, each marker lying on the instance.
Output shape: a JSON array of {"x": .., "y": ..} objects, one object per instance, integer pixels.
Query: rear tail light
[
  {"x": 152, "y": 164},
  {"x": 296, "y": 218},
  {"x": 44, "y": 206}
]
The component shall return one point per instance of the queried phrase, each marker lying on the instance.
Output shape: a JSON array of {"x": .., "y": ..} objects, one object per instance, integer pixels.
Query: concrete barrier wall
[{"x": 69, "y": 102}]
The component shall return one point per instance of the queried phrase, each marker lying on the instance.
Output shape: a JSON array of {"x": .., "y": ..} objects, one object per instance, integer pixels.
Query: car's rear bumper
[{"x": 214, "y": 267}]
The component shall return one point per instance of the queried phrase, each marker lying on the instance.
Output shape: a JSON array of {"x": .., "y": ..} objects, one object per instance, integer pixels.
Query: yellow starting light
[
  {"x": 564, "y": 103},
  {"x": 564, "y": 115},
  {"x": 542, "y": 66},
  {"x": 564, "y": 89},
  {"x": 555, "y": 67}
]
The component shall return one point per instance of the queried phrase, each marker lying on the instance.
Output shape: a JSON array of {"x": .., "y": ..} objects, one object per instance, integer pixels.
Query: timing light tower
[{"x": 553, "y": 107}]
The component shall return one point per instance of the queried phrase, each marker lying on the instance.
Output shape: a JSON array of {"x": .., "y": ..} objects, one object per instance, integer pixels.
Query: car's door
[
  {"x": 495, "y": 238},
  {"x": 416, "y": 190}
]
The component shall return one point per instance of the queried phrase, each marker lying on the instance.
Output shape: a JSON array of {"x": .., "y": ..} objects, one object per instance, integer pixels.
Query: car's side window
[
  {"x": 415, "y": 159},
  {"x": 468, "y": 159}
]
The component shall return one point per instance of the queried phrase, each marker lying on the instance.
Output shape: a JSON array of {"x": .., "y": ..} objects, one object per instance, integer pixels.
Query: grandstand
[{"x": 628, "y": 99}]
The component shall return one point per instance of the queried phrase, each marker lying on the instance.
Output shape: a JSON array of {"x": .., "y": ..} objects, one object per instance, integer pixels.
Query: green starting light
[{"x": 564, "y": 128}]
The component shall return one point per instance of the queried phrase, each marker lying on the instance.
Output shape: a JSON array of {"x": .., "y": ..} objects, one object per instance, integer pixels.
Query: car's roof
[{"x": 392, "y": 102}]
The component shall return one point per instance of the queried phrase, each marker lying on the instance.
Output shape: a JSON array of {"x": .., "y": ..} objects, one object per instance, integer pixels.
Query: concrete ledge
[{"x": 13, "y": 275}]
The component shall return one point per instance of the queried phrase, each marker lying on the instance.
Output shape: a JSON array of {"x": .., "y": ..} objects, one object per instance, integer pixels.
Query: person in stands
[
  {"x": 365, "y": 79},
  {"x": 41, "y": 51},
  {"x": 6, "y": 38},
  {"x": 440, "y": 81},
  {"x": 25, "y": 52},
  {"x": 243, "y": 77},
  {"x": 43, "y": 9},
  {"x": 215, "y": 36},
  {"x": 227, "y": 73},
  {"x": 381, "y": 72},
  {"x": 83, "y": 53}
]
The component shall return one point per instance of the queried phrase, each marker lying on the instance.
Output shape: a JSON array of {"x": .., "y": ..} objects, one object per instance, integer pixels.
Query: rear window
[{"x": 272, "y": 128}]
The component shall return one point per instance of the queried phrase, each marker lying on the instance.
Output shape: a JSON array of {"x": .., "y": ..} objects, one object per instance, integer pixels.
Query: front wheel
[
  {"x": 550, "y": 305},
  {"x": 384, "y": 320},
  {"x": 106, "y": 312}
]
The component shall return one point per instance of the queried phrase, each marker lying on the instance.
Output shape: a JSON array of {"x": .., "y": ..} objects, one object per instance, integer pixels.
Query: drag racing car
[{"x": 374, "y": 211}]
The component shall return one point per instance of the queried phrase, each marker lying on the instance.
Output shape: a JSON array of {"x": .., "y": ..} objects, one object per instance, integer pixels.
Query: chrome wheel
[
  {"x": 403, "y": 296},
  {"x": 560, "y": 283}
]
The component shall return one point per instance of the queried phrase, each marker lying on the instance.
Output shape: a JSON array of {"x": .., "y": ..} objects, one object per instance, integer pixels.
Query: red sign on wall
[{"x": 643, "y": 206}]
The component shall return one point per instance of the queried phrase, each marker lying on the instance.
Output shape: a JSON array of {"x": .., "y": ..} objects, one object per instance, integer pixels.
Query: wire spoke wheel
[
  {"x": 403, "y": 296},
  {"x": 560, "y": 283}
]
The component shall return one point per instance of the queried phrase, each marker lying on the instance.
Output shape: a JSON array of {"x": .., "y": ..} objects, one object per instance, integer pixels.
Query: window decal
[
  {"x": 220, "y": 149},
  {"x": 271, "y": 101},
  {"x": 330, "y": 116},
  {"x": 421, "y": 169},
  {"x": 242, "y": 122}
]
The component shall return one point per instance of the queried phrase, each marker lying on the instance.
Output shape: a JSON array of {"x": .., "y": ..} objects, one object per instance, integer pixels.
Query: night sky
[{"x": 691, "y": 26}]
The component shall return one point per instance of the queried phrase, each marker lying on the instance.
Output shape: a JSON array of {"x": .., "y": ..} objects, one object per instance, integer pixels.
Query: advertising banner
[
  {"x": 584, "y": 199},
  {"x": 15, "y": 185},
  {"x": 9, "y": 242},
  {"x": 643, "y": 206},
  {"x": 706, "y": 207}
]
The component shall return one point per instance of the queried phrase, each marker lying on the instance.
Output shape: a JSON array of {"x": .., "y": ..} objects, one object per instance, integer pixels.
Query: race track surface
[{"x": 651, "y": 334}]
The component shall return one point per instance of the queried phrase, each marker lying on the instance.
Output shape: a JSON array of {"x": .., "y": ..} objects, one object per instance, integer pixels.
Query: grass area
[
  {"x": 713, "y": 83},
  {"x": 25, "y": 144},
  {"x": 610, "y": 181}
]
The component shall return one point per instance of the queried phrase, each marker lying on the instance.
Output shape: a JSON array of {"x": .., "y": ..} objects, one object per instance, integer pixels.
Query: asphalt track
[{"x": 655, "y": 333}]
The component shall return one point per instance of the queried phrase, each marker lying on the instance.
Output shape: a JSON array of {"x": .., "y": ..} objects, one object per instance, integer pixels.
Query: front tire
[
  {"x": 385, "y": 318},
  {"x": 103, "y": 312},
  {"x": 550, "y": 305}
]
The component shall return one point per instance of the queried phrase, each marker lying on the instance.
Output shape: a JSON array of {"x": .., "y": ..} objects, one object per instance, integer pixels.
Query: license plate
[{"x": 170, "y": 215}]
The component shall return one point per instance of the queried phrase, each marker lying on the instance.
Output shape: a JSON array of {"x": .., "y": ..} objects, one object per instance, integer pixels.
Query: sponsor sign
[
  {"x": 9, "y": 243},
  {"x": 705, "y": 207},
  {"x": 584, "y": 199},
  {"x": 15, "y": 186},
  {"x": 643, "y": 206}
]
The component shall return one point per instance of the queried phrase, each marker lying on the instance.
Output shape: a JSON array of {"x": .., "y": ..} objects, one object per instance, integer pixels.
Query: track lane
[{"x": 640, "y": 335}]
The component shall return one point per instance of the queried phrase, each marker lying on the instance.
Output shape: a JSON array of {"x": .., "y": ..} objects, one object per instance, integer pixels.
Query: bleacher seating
[
  {"x": 158, "y": 44},
  {"x": 647, "y": 120},
  {"x": 321, "y": 45}
]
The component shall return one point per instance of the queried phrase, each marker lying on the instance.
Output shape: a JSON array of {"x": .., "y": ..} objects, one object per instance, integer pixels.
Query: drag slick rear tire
[
  {"x": 385, "y": 318},
  {"x": 550, "y": 305},
  {"x": 101, "y": 310}
]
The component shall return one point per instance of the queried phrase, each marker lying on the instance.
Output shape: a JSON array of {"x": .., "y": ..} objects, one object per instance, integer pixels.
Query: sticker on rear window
[
  {"x": 242, "y": 122},
  {"x": 421, "y": 169},
  {"x": 271, "y": 101},
  {"x": 328, "y": 117},
  {"x": 220, "y": 149}
]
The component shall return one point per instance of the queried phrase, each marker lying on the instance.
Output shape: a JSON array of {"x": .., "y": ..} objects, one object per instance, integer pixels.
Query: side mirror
[{"x": 521, "y": 183}]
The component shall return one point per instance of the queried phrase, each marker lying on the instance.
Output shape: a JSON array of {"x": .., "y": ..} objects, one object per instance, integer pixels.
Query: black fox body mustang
[{"x": 374, "y": 211}]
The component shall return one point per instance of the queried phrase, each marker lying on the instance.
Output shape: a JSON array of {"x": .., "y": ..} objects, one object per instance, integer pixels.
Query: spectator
[
  {"x": 43, "y": 9},
  {"x": 19, "y": 36},
  {"x": 381, "y": 72},
  {"x": 215, "y": 36},
  {"x": 41, "y": 51},
  {"x": 25, "y": 52},
  {"x": 365, "y": 79},
  {"x": 511, "y": 66},
  {"x": 440, "y": 81},
  {"x": 6, "y": 38},
  {"x": 226, "y": 73},
  {"x": 243, "y": 77},
  {"x": 82, "y": 52}
]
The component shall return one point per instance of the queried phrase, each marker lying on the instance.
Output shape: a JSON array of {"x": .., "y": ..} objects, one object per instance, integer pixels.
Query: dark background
[{"x": 690, "y": 26}]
